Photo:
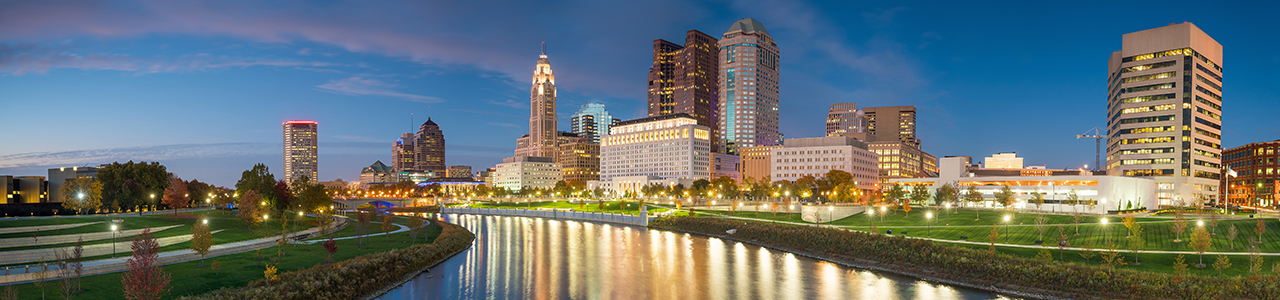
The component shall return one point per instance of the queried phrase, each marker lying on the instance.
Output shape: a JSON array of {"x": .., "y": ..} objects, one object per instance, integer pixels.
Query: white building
[
  {"x": 515, "y": 173},
  {"x": 1109, "y": 192},
  {"x": 817, "y": 156},
  {"x": 668, "y": 149},
  {"x": 1006, "y": 160}
]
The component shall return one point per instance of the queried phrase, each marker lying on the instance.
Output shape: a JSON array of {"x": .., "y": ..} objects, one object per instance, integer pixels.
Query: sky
[{"x": 203, "y": 86}]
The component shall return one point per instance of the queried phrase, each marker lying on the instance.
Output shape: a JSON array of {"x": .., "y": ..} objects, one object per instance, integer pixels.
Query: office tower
[
  {"x": 815, "y": 157},
  {"x": 429, "y": 149},
  {"x": 580, "y": 159},
  {"x": 1257, "y": 180},
  {"x": 300, "y": 150},
  {"x": 1164, "y": 112},
  {"x": 402, "y": 153},
  {"x": 844, "y": 119},
  {"x": 891, "y": 123},
  {"x": 748, "y": 87},
  {"x": 654, "y": 149},
  {"x": 591, "y": 121},
  {"x": 541, "y": 141},
  {"x": 685, "y": 79}
]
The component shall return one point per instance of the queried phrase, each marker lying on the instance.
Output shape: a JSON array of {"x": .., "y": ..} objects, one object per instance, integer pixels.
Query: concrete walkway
[
  {"x": 115, "y": 215},
  {"x": 48, "y": 254},
  {"x": 402, "y": 228},
  {"x": 45, "y": 227},
  {"x": 71, "y": 238}
]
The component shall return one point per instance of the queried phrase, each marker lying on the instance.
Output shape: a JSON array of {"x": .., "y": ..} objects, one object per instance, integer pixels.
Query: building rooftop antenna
[{"x": 544, "y": 48}]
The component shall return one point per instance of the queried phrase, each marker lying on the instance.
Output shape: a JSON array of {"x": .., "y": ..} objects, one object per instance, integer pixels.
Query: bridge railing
[{"x": 639, "y": 220}]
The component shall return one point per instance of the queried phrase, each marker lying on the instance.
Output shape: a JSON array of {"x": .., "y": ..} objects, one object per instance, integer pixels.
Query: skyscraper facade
[
  {"x": 748, "y": 87},
  {"x": 429, "y": 149},
  {"x": 891, "y": 123},
  {"x": 402, "y": 153},
  {"x": 685, "y": 79},
  {"x": 844, "y": 119},
  {"x": 542, "y": 138},
  {"x": 591, "y": 121},
  {"x": 300, "y": 150},
  {"x": 1164, "y": 112}
]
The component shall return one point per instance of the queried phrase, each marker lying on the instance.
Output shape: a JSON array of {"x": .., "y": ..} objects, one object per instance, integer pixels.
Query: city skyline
[{"x": 216, "y": 76}]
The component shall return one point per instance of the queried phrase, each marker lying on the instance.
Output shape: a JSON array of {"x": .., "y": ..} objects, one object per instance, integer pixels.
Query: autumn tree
[
  {"x": 81, "y": 194},
  {"x": 1222, "y": 263},
  {"x": 387, "y": 226},
  {"x": 1037, "y": 198},
  {"x": 363, "y": 218},
  {"x": 1180, "y": 266},
  {"x": 1200, "y": 241},
  {"x": 330, "y": 247},
  {"x": 1041, "y": 221},
  {"x": 1087, "y": 252},
  {"x": 1179, "y": 225},
  {"x": 1255, "y": 262},
  {"x": 415, "y": 225},
  {"x": 1136, "y": 242},
  {"x": 1005, "y": 196},
  {"x": 1262, "y": 228},
  {"x": 973, "y": 196},
  {"x": 130, "y": 184},
  {"x": 1111, "y": 257},
  {"x": 995, "y": 235},
  {"x": 175, "y": 196},
  {"x": 250, "y": 201},
  {"x": 1073, "y": 199},
  {"x": 201, "y": 240},
  {"x": 145, "y": 280},
  {"x": 1231, "y": 236},
  {"x": 896, "y": 193}
]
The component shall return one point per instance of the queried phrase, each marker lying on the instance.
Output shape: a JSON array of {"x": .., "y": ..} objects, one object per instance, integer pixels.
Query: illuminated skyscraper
[
  {"x": 685, "y": 79},
  {"x": 1164, "y": 112},
  {"x": 300, "y": 150},
  {"x": 844, "y": 119},
  {"x": 541, "y": 141},
  {"x": 892, "y": 124},
  {"x": 748, "y": 87},
  {"x": 402, "y": 153},
  {"x": 591, "y": 121},
  {"x": 429, "y": 149}
]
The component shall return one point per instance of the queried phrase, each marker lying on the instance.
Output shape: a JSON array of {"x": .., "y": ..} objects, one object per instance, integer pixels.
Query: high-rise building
[
  {"x": 591, "y": 121},
  {"x": 815, "y": 157},
  {"x": 402, "y": 153},
  {"x": 844, "y": 119},
  {"x": 891, "y": 123},
  {"x": 685, "y": 79},
  {"x": 748, "y": 87},
  {"x": 542, "y": 139},
  {"x": 1005, "y": 160},
  {"x": 1257, "y": 169},
  {"x": 757, "y": 163},
  {"x": 300, "y": 150},
  {"x": 580, "y": 159},
  {"x": 1164, "y": 111},
  {"x": 429, "y": 149}
]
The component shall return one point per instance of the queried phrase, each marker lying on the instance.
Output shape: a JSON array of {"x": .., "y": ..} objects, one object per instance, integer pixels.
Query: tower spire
[{"x": 544, "y": 48}]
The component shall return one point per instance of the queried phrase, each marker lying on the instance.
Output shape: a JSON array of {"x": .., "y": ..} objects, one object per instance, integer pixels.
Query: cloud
[
  {"x": 507, "y": 125},
  {"x": 30, "y": 58},
  {"x": 359, "y": 138},
  {"x": 150, "y": 153},
  {"x": 509, "y": 103},
  {"x": 361, "y": 86}
]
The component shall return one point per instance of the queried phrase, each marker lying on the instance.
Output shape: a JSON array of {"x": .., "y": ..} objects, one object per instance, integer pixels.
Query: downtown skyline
[{"x": 236, "y": 77}]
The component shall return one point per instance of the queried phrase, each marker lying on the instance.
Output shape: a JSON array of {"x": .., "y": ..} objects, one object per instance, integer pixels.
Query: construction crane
[{"x": 1097, "y": 145}]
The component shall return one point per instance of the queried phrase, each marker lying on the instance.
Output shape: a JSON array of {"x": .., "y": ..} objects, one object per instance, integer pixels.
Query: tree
[
  {"x": 919, "y": 194},
  {"x": 330, "y": 247},
  {"x": 1255, "y": 262},
  {"x": 283, "y": 196},
  {"x": 1136, "y": 242},
  {"x": 258, "y": 179},
  {"x": 215, "y": 266},
  {"x": 201, "y": 240},
  {"x": 387, "y": 226},
  {"x": 1041, "y": 221},
  {"x": 1200, "y": 241},
  {"x": 896, "y": 193},
  {"x": 249, "y": 203},
  {"x": 1075, "y": 219},
  {"x": 1180, "y": 266},
  {"x": 1262, "y": 228},
  {"x": 1044, "y": 255},
  {"x": 1062, "y": 242},
  {"x": 364, "y": 218},
  {"x": 973, "y": 196},
  {"x": 1179, "y": 225},
  {"x": 175, "y": 196},
  {"x": 131, "y": 184},
  {"x": 1037, "y": 198},
  {"x": 81, "y": 194},
  {"x": 1088, "y": 253},
  {"x": 1005, "y": 196},
  {"x": 38, "y": 278},
  {"x": 145, "y": 279},
  {"x": 1223, "y": 263},
  {"x": 77, "y": 261},
  {"x": 1112, "y": 258},
  {"x": 66, "y": 274},
  {"x": 1231, "y": 236},
  {"x": 1073, "y": 199},
  {"x": 943, "y": 194},
  {"x": 995, "y": 235},
  {"x": 415, "y": 225},
  {"x": 906, "y": 208}
]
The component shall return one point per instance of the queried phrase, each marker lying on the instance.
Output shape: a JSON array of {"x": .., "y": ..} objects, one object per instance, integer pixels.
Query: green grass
[
  {"x": 1161, "y": 263},
  {"x": 609, "y": 207},
  {"x": 237, "y": 269}
]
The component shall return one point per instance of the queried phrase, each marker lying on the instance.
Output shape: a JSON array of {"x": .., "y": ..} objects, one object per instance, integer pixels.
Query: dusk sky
[{"x": 202, "y": 86}]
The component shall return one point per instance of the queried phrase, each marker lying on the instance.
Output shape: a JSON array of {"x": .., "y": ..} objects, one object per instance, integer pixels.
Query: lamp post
[
  {"x": 1104, "y": 230},
  {"x": 113, "y": 240},
  {"x": 928, "y": 218},
  {"x": 871, "y": 218},
  {"x": 1006, "y": 226},
  {"x": 831, "y": 213}
]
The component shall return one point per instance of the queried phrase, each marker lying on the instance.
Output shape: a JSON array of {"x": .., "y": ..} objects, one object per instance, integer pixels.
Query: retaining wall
[{"x": 637, "y": 220}]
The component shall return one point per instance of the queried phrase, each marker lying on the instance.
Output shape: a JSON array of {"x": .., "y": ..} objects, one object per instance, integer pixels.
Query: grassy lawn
[
  {"x": 609, "y": 207},
  {"x": 1158, "y": 236},
  {"x": 237, "y": 269},
  {"x": 1162, "y": 263}
]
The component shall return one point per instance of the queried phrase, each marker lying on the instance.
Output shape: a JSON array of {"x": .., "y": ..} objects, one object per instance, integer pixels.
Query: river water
[{"x": 530, "y": 258}]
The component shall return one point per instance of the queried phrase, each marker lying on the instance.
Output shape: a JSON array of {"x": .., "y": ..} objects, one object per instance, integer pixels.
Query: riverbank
[{"x": 975, "y": 268}]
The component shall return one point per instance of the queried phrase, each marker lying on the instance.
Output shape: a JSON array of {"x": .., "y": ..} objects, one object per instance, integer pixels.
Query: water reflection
[{"x": 528, "y": 258}]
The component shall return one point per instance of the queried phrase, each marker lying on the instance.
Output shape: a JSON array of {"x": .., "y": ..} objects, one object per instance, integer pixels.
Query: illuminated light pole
[
  {"x": 1006, "y": 226},
  {"x": 871, "y": 218},
  {"x": 1104, "y": 230},
  {"x": 113, "y": 240},
  {"x": 928, "y": 218},
  {"x": 831, "y": 213}
]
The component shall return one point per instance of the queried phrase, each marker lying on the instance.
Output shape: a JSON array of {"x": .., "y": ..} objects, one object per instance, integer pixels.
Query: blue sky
[{"x": 202, "y": 86}]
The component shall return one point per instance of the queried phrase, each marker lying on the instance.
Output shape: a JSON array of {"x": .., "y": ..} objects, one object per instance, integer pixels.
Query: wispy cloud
[
  {"x": 151, "y": 153},
  {"x": 509, "y": 103},
  {"x": 30, "y": 58},
  {"x": 361, "y": 86},
  {"x": 359, "y": 138},
  {"x": 507, "y": 125}
]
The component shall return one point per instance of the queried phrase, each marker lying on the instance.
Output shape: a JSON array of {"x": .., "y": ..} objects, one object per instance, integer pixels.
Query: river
[{"x": 530, "y": 258}]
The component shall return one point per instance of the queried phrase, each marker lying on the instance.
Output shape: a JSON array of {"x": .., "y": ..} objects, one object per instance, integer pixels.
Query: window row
[
  {"x": 1150, "y": 87},
  {"x": 1146, "y": 151},
  {"x": 1210, "y": 124},
  {"x": 1146, "y": 161},
  {"x": 1149, "y": 66},
  {"x": 1147, "y": 98},
  {"x": 1208, "y": 164},
  {"x": 1209, "y": 113},
  {"x": 1207, "y": 92},
  {"x": 1149, "y": 172},
  {"x": 1142, "y": 109},
  {"x": 1206, "y": 153},
  {"x": 1209, "y": 175},
  {"x": 1211, "y": 73},
  {"x": 1147, "y": 140},
  {"x": 1183, "y": 51},
  {"x": 1210, "y": 83},
  {"x": 1208, "y": 134},
  {"x": 1146, "y": 119},
  {"x": 1149, "y": 77},
  {"x": 1146, "y": 129},
  {"x": 1209, "y": 144}
]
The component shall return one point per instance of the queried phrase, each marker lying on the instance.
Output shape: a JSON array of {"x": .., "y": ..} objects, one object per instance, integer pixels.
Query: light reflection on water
[{"x": 529, "y": 258}]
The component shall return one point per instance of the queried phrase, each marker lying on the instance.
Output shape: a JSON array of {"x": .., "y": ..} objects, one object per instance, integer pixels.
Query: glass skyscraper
[
  {"x": 591, "y": 121},
  {"x": 748, "y": 87}
]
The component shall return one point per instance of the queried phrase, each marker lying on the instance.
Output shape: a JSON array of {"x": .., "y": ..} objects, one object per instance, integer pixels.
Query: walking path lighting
[
  {"x": 928, "y": 218},
  {"x": 113, "y": 240}
]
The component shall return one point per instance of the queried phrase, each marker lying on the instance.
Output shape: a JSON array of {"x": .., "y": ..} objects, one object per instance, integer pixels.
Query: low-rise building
[
  {"x": 903, "y": 160},
  {"x": 515, "y": 173},
  {"x": 377, "y": 173},
  {"x": 1003, "y": 160},
  {"x": 336, "y": 184},
  {"x": 59, "y": 176},
  {"x": 459, "y": 172},
  {"x": 726, "y": 165},
  {"x": 1257, "y": 174},
  {"x": 24, "y": 189},
  {"x": 655, "y": 149},
  {"x": 1106, "y": 192},
  {"x": 756, "y": 163},
  {"x": 816, "y": 157}
]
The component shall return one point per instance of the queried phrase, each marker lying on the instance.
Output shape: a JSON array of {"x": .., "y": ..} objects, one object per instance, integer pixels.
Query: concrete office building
[
  {"x": 685, "y": 79},
  {"x": 580, "y": 160},
  {"x": 902, "y": 160},
  {"x": 726, "y": 165},
  {"x": 542, "y": 138},
  {"x": 459, "y": 172},
  {"x": 1109, "y": 192},
  {"x": 402, "y": 153},
  {"x": 845, "y": 119},
  {"x": 515, "y": 173},
  {"x": 1003, "y": 160},
  {"x": 591, "y": 121},
  {"x": 429, "y": 148},
  {"x": 668, "y": 149},
  {"x": 891, "y": 123},
  {"x": 756, "y": 163},
  {"x": 23, "y": 189},
  {"x": 1257, "y": 180},
  {"x": 816, "y": 156},
  {"x": 59, "y": 176},
  {"x": 749, "y": 88},
  {"x": 301, "y": 150},
  {"x": 1164, "y": 111}
]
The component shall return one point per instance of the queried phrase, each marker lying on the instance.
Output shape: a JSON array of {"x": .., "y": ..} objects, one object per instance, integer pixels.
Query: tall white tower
[{"x": 542, "y": 112}]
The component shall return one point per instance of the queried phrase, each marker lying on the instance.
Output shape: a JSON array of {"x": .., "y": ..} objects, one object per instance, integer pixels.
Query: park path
[
  {"x": 71, "y": 238},
  {"x": 44, "y": 227},
  {"x": 125, "y": 214},
  {"x": 48, "y": 254},
  {"x": 401, "y": 228}
]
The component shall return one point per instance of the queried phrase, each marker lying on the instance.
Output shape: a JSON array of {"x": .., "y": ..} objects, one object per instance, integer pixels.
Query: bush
[
  {"x": 356, "y": 277},
  {"x": 977, "y": 266}
]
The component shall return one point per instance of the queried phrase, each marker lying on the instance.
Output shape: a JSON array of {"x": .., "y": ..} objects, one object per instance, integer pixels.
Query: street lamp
[
  {"x": 1104, "y": 230},
  {"x": 928, "y": 217},
  {"x": 831, "y": 213},
  {"x": 113, "y": 240},
  {"x": 1006, "y": 225}
]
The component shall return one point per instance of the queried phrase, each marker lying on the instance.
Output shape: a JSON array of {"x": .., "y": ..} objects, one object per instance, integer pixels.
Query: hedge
[
  {"x": 353, "y": 278},
  {"x": 980, "y": 267}
]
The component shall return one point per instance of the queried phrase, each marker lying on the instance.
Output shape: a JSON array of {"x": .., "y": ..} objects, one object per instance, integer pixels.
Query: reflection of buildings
[
  {"x": 1257, "y": 167},
  {"x": 300, "y": 150},
  {"x": 1006, "y": 160},
  {"x": 815, "y": 157},
  {"x": 1164, "y": 111},
  {"x": 515, "y": 173},
  {"x": 59, "y": 176},
  {"x": 748, "y": 87},
  {"x": 1110, "y": 192},
  {"x": 668, "y": 149}
]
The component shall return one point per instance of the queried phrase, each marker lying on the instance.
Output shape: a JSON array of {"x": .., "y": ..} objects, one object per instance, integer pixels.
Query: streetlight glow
[{"x": 1200, "y": 223}]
